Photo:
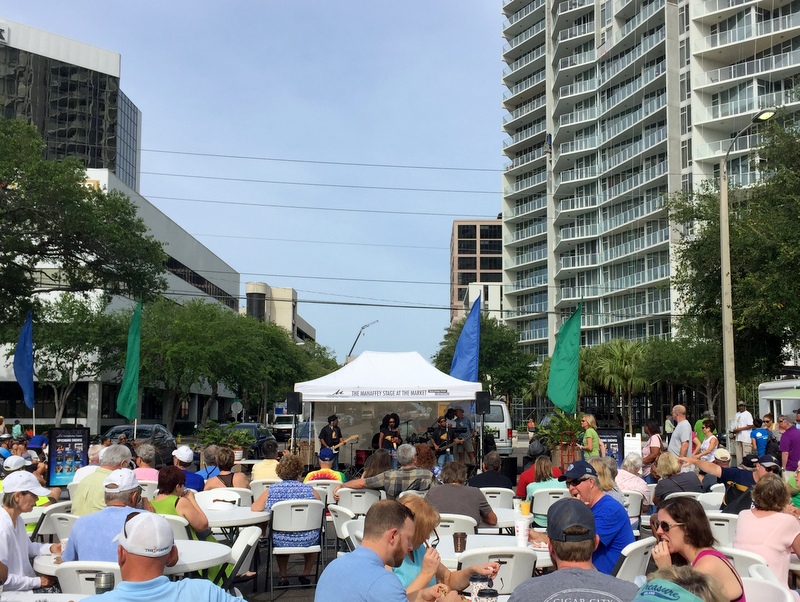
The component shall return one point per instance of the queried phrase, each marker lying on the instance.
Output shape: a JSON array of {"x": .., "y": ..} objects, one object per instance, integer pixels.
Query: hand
[
  {"x": 430, "y": 562},
  {"x": 56, "y": 549},
  {"x": 47, "y": 580},
  {"x": 661, "y": 554},
  {"x": 535, "y": 537},
  {"x": 336, "y": 493},
  {"x": 490, "y": 569},
  {"x": 438, "y": 592}
]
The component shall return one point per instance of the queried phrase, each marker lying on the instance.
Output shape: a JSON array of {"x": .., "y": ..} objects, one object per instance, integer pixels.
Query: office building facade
[
  {"x": 476, "y": 256},
  {"x": 612, "y": 106}
]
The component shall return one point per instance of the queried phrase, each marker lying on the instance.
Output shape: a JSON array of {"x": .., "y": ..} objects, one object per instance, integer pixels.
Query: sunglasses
[
  {"x": 664, "y": 525},
  {"x": 575, "y": 482}
]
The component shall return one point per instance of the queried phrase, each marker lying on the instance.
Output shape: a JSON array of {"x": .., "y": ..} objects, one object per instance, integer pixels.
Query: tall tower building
[
  {"x": 476, "y": 256},
  {"x": 612, "y": 105}
]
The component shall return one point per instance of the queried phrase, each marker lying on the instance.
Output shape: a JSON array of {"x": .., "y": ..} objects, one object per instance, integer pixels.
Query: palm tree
[{"x": 619, "y": 365}]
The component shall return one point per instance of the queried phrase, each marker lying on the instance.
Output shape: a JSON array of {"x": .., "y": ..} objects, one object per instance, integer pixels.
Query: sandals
[
  {"x": 304, "y": 580},
  {"x": 283, "y": 583}
]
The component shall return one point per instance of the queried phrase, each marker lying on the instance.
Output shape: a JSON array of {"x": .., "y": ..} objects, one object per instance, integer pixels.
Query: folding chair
[
  {"x": 711, "y": 501},
  {"x": 542, "y": 499},
  {"x": 759, "y": 589},
  {"x": 78, "y": 577},
  {"x": 149, "y": 488},
  {"x": 62, "y": 524},
  {"x": 241, "y": 560},
  {"x": 358, "y": 500},
  {"x": 723, "y": 527},
  {"x": 258, "y": 486},
  {"x": 45, "y": 528},
  {"x": 353, "y": 531},
  {"x": 216, "y": 498},
  {"x": 339, "y": 516},
  {"x": 292, "y": 516},
  {"x": 633, "y": 559},
  {"x": 516, "y": 565},
  {"x": 691, "y": 494},
  {"x": 180, "y": 526},
  {"x": 633, "y": 504},
  {"x": 245, "y": 493},
  {"x": 411, "y": 492},
  {"x": 498, "y": 497},
  {"x": 742, "y": 560}
]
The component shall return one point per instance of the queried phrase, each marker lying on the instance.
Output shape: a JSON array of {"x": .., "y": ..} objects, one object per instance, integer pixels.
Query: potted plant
[
  {"x": 556, "y": 430},
  {"x": 225, "y": 435}
]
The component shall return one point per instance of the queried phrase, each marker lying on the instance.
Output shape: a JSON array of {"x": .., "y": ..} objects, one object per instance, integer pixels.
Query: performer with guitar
[
  {"x": 442, "y": 442},
  {"x": 389, "y": 437},
  {"x": 331, "y": 436}
]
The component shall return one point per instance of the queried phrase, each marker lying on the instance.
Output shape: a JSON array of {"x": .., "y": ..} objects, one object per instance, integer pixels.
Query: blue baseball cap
[
  {"x": 578, "y": 469},
  {"x": 326, "y": 454}
]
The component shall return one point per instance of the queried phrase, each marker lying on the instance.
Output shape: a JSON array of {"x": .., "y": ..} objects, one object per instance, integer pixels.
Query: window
[
  {"x": 491, "y": 277},
  {"x": 491, "y": 247},
  {"x": 467, "y": 277},
  {"x": 492, "y": 232},
  {"x": 466, "y": 247},
  {"x": 467, "y": 263},
  {"x": 491, "y": 263},
  {"x": 467, "y": 231}
]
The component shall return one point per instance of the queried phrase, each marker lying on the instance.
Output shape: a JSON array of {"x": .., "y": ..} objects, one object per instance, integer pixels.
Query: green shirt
[{"x": 591, "y": 434}]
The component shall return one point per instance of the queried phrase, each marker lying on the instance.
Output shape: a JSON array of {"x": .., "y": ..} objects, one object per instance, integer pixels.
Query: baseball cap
[
  {"x": 456, "y": 408},
  {"x": 566, "y": 513},
  {"x": 121, "y": 479},
  {"x": 15, "y": 463},
  {"x": 23, "y": 481},
  {"x": 184, "y": 453},
  {"x": 578, "y": 469},
  {"x": 722, "y": 454},
  {"x": 767, "y": 461},
  {"x": 659, "y": 590},
  {"x": 326, "y": 454},
  {"x": 332, "y": 417},
  {"x": 6, "y": 436},
  {"x": 146, "y": 534},
  {"x": 741, "y": 404},
  {"x": 749, "y": 461}
]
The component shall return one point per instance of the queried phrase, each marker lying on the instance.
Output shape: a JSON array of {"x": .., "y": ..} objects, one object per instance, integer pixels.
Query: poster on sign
[{"x": 67, "y": 452}]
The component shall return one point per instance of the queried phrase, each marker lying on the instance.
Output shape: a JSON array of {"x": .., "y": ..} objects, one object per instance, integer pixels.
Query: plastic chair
[
  {"x": 149, "y": 488},
  {"x": 542, "y": 499},
  {"x": 711, "y": 501},
  {"x": 455, "y": 523},
  {"x": 291, "y": 516},
  {"x": 691, "y": 494},
  {"x": 358, "y": 500},
  {"x": 633, "y": 559},
  {"x": 340, "y": 516},
  {"x": 411, "y": 492},
  {"x": 723, "y": 527},
  {"x": 353, "y": 531},
  {"x": 742, "y": 561},
  {"x": 499, "y": 497},
  {"x": 78, "y": 577},
  {"x": 180, "y": 526},
  {"x": 241, "y": 560},
  {"x": 71, "y": 487},
  {"x": 633, "y": 504},
  {"x": 764, "y": 572},
  {"x": 326, "y": 485},
  {"x": 62, "y": 524},
  {"x": 258, "y": 486},
  {"x": 213, "y": 498},
  {"x": 718, "y": 487},
  {"x": 245, "y": 495},
  {"x": 516, "y": 565},
  {"x": 46, "y": 527},
  {"x": 759, "y": 589}
]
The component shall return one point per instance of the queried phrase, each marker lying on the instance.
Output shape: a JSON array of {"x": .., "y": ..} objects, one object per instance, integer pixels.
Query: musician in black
[
  {"x": 442, "y": 441},
  {"x": 389, "y": 438},
  {"x": 331, "y": 436}
]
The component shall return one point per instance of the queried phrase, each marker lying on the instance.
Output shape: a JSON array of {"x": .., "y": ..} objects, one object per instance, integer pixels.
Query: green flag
[
  {"x": 562, "y": 385},
  {"x": 128, "y": 400}
]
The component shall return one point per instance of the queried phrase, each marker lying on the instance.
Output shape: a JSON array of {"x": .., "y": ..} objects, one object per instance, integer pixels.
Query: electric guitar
[
  {"x": 348, "y": 440},
  {"x": 443, "y": 448}
]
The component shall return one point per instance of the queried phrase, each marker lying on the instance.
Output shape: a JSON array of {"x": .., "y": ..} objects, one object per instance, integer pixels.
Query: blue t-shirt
[
  {"x": 359, "y": 576},
  {"x": 164, "y": 590},
  {"x": 761, "y": 436},
  {"x": 208, "y": 472},
  {"x": 5, "y": 453},
  {"x": 614, "y": 529},
  {"x": 194, "y": 480},
  {"x": 412, "y": 567},
  {"x": 92, "y": 536}
]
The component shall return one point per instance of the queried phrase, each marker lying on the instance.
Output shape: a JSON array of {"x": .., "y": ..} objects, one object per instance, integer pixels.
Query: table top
[
  {"x": 235, "y": 516},
  {"x": 31, "y": 597},
  {"x": 474, "y": 541},
  {"x": 192, "y": 556},
  {"x": 506, "y": 518}
]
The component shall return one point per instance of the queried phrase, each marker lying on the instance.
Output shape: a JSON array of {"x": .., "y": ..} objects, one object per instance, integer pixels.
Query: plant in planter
[
  {"x": 224, "y": 435},
  {"x": 557, "y": 429}
]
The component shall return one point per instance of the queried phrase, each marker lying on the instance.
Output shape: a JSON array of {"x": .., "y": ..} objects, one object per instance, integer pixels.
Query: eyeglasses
[
  {"x": 434, "y": 540},
  {"x": 664, "y": 525},
  {"x": 575, "y": 482}
]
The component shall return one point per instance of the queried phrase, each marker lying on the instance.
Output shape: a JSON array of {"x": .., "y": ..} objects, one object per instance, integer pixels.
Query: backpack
[{"x": 773, "y": 447}]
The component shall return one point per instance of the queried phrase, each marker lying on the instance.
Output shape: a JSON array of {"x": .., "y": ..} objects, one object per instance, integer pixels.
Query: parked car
[
  {"x": 282, "y": 426},
  {"x": 261, "y": 432},
  {"x": 156, "y": 435}
]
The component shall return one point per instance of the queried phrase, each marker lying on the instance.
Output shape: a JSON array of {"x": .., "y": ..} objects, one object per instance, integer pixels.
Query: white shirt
[{"x": 743, "y": 419}]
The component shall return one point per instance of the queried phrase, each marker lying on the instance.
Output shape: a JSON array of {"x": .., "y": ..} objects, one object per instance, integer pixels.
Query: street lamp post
[{"x": 728, "y": 363}]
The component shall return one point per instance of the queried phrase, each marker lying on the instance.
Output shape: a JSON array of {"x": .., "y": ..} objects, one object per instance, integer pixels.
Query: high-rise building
[
  {"x": 476, "y": 255},
  {"x": 612, "y": 105},
  {"x": 70, "y": 92}
]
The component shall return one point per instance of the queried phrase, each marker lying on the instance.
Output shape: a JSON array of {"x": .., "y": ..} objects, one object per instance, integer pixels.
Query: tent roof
[
  {"x": 783, "y": 394},
  {"x": 390, "y": 377}
]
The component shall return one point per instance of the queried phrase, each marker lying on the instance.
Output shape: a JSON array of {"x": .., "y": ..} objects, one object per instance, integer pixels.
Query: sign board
[{"x": 67, "y": 451}]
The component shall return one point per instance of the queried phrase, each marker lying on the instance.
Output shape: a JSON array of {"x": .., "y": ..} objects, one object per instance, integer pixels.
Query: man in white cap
[
  {"x": 92, "y": 536},
  {"x": 145, "y": 548},
  {"x": 89, "y": 494},
  {"x": 183, "y": 458}
]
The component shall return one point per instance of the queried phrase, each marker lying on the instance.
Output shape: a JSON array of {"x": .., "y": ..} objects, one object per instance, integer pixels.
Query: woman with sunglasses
[
  {"x": 422, "y": 567},
  {"x": 684, "y": 533}
]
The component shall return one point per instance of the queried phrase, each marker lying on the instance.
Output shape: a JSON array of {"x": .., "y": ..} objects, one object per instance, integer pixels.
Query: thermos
[{"x": 103, "y": 582}]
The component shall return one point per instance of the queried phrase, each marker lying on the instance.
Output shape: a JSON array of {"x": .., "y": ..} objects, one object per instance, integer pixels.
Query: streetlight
[{"x": 728, "y": 363}]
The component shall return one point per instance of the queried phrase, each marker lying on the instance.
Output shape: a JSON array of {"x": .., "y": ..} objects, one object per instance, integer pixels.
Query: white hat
[
  {"x": 15, "y": 463},
  {"x": 102, "y": 452},
  {"x": 23, "y": 481},
  {"x": 146, "y": 534},
  {"x": 121, "y": 479},
  {"x": 184, "y": 453}
]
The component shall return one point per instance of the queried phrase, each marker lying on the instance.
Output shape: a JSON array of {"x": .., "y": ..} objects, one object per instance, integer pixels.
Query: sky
[{"x": 386, "y": 118}]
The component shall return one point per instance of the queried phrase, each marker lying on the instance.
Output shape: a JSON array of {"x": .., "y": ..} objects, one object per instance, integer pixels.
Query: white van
[{"x": 498, "y": 423}]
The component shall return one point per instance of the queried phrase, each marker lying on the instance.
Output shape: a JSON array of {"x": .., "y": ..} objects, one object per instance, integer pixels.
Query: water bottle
[{"x": 103, "y": 582}]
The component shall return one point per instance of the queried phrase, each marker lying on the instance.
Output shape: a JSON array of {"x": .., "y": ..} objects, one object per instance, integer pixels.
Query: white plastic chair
[
  {"x": 498, "y": 497},
  {"x": 718, "y": 487},
  {"x": 353, "y": 531},
  {"x": 180, "y": 526},
  {"x": 46, "y": 528},
  {"x": 692, "y": 494},
  {"x": 291, "y": 516},
  {"x": 258, "y": 486},
  {"x": 542, "y": 499},
  {"x": 711, "y": 501},
  {"x": 633, "y": 504},
  {"x": 149, "y": 489},
  {"x": 340, "y": 516},
  {"x": 413, "y": 492},
  {"x": 759, "y": 589},
  {"x": 245, "y": 495},
  {"x": 764, "y": 572},
  {"x": 241, "y": 559},
  {"x": 217, "y": 498},
  {"x": 742, "y": 561},
  {"x": 516, "y": 565},
  {"x": 633, "y": 559},
  {"x": 723, "y": 527},
  {"x": 62, "y": 524},
  {"x": 71, "y": 487},
  {"x": 78, "y": 577},
  {"x": 358, "y": 500},
  {"x": 455, "y": 523}
]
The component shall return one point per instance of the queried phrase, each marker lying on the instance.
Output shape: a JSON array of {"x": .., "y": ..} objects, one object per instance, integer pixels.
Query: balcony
[
  {"x": 581, "y": 144},
  {"x": 520, "y": 15},
  {"x": 616, "y": 126},
  {"x": 533, "y": 335},
  {"x": 588, "y": 86},
  {"x": 639, "y": 179},
  {"x": 535, "y": 205},
  {"x": 648, "y": 75},
  {"x": 631, "y": 215},
  {"x": 573, "y": 262},
  {"x": 574, "y": 233},
  {"x": 749, "y": 69},
  {"x": 526, "y": 84},
  {"x": 639, "y": 311},
  {"x": 578, "y": 116},
  {"x": 525, "y": 60},
  {"x": 640, "y": 278},
  {"x": 634, "y": 246},
  {"x": 526, "y": 35},
  {"x": 525, "y": 109},
  {"x": 530, "y": 257},
  {"x": 576, "y": 60},
  {"x": 531, "y": 309},
  {"x": 748, "y": 105},
  {"x": 527, "y": 158},
  {"x": 576, "y": 31},
  {"x": 535, "y": 230},
  {"x": 526, "y": 183},
  {"x": 701, "y": 9},
  {"x": 616, "y": 66},
  {"x": 638, "y": 20},
  {"x": 532, "y": 282},
  {"x": 572, "y": 175},
  {"x": 743, "y": 144},
  {"x": 576, "y": 293},
  {"x": 525, "y": 135},
  {"x": 634, "y": 150},
  {"x": 577, "y": 204}
]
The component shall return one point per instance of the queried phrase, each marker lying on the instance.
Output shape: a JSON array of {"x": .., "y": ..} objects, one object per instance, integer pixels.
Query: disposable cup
[
  {"x": 521, "y": 528},
  {"x": 525, "y": 507}
]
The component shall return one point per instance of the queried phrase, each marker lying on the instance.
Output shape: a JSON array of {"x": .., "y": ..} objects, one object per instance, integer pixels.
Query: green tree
[
  {"x": 503, "y": 367},
  {"x": 619, "y": 366},
  {"x": 48, "y": 217}
]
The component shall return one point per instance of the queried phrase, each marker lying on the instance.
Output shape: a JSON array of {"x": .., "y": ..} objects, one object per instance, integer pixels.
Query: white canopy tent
[{"x": 376, "y": 376}]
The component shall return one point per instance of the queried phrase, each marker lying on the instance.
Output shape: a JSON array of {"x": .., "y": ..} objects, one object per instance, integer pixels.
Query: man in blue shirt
[
  {"x": 464, "y": 430},
  {"x": 361, "y": 575},
  {"x": 5, "y": 443},
  {"x": 184, "y": 456}
]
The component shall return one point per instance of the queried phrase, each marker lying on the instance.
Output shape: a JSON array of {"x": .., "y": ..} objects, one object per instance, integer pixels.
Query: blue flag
[
  {"x": 23, "y": 361},
  {"x": 465, "y": 357}
]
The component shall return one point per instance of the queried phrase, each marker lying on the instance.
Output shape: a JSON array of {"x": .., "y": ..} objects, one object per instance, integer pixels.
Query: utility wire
[{"x": 321, "y": 242}]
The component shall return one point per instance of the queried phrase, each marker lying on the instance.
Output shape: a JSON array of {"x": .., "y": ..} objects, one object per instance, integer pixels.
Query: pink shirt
[
  {"x": 771, "y": 536},
  {"x": 146, "y": 474},
  {"x": 630, "y": 482}
]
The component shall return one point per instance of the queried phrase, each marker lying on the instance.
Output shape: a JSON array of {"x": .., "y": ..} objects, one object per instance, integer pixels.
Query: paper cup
[
  {"x": 517, "y": 501},
  {"x": 521, "y": 527}
]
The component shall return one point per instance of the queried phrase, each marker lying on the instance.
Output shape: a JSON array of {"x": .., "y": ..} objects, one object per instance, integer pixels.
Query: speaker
[
  {"x": 482, "y": 402},
  {"x": 294, "y": 403}
]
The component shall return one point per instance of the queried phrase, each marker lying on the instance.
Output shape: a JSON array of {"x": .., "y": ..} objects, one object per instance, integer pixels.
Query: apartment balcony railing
[
  {"x": 535, "y": 230},
  {"x": 640, "y": 278},
  {"x": 720, "y": 147},
  {"x": 712, "y": 6},
  {"x": 614, "y": 127},
  {"x": 637, "y": 180},
  {"x": 612, "y": 68},
  {"x": 569, "y": 5},
  {"x": 632, "y": 214},
  {"x": 747, "y": 32},
  {"x": 578, "y": 292},
  {"x": 745, "y": 178},
  {"x": 532, "y": 335},
  {"x": 581, "y": 173},
  {"x": 589, "y": 85},
  {"x": 531, "y": 282},
  {"x": 519, "y": 15},
  {"x": 525, "y": 59},
  {"x": 576, "y": 31},
  {"x": 528, "y": 107},
  {"x": 647, "y": 76},
  {"x": 578, "y": 145},
  {"x": 526, "y": 158},
  {"x": 530, "y": 256},
  {"x": 524, "y": 184},
  {"x": 578, "y": 203},
  {"x": 578, "y": 261},
  {"x": 748, "y": 104},
  {"x": 536, "y": 128},
  {"x": 653, "y": 138},
  {"x": 643, "y": 16},
  {"x": 751, "y": 68},
  {"x": 532, "y": 308},
  {"x": 578, "y": 116},
  {"x": 638, "y": 311},
  {"x": 634, "y": 246},
  {"x": 577, "y": 232},
  {"x": 576, "y": 60},
  {"x": 526, "y": 35},
  {"x": 534, "y": 205},
  {"x": 526, "y": 84}
]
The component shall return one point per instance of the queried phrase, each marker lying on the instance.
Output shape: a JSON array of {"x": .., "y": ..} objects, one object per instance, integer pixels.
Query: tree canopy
[{"x": 91, "y": 239}]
